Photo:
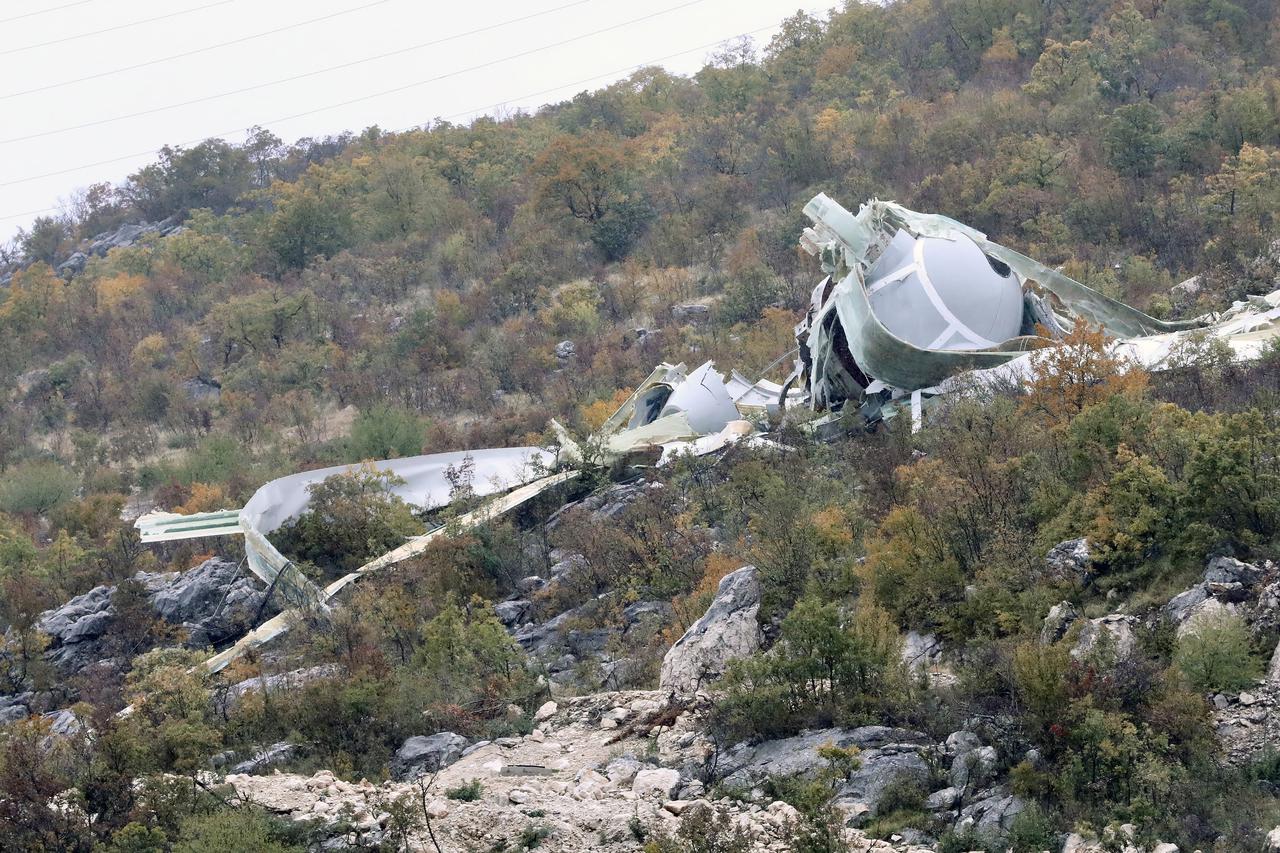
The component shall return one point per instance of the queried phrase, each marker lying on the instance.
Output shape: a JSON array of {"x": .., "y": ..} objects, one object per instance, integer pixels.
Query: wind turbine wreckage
[{"x": 913, "y": 306}]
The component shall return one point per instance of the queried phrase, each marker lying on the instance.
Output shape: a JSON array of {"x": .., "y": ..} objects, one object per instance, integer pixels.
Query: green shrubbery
[
  {"x": 351, "y": 518},
  {"x": 1215, "y": 654},
  {"x": 828, "y": 667}
]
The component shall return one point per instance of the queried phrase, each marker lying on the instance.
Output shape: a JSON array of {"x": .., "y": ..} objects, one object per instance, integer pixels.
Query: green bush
[
  {"x": 386, "y": 432},
  {"x": 234, "y": 829},
  {"x": 827, "y": 668},
  {"x": 467, "y": 792},
  {"x": 37, "y": 487},
  {"x": 352, "y": 517},
  {"x": 1215, "y": 655}
]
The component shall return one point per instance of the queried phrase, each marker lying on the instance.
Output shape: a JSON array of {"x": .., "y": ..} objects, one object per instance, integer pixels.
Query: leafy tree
[
  {"x": 385, "y": 432},
  {"x": 827, "y": 668},
  {"x": 351, "y": 517},
  {"x": 1215, "y": 655},
  {"x": 47, "y": 242},
  {"x": 36, "y": 488},
  {"x": 1133, "y": 140},
  {"x": 1079, "y": 371}
]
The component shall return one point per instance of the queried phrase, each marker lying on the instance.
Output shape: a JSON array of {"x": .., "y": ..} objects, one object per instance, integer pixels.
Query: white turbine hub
[{"x": 942, "y": 294}]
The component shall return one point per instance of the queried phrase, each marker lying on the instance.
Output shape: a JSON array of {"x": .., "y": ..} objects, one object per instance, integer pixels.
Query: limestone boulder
[{"x": 727, "y": 631}]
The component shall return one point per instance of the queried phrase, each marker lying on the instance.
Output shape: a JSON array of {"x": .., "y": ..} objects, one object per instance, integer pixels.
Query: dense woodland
[{"x": 376, "y": 295}]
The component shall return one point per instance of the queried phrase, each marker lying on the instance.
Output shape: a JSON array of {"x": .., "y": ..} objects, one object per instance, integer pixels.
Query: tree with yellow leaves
[{"x": 1077, "y": 372}]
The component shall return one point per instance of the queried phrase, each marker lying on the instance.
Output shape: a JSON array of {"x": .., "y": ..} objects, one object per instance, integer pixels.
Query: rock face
[
  {"x": 994, "y": 811},
  {"x": 73, "y": 265},
  {"x": 920, "y": 651},
  {"x": 130, "y": 233},
  {"x": 421, "y": 755},
  {"x": 887, "y": 755},
  {"x": 973, "y": 764},
  {"x": 259, "y": 761},
  {"x": 214, "y": 602},
  {"x": 1114, "y": 630},
  {"x": 728, "y": 630},
  {"x": 1226, "y": 584},
  {"x": 290, "y": 680},
  {"x": 1060, "y": 619},
  {"x": 1069, "y": 561}
]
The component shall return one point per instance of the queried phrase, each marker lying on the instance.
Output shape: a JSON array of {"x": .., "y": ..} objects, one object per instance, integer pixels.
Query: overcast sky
[{"x": 45, "y": 44}]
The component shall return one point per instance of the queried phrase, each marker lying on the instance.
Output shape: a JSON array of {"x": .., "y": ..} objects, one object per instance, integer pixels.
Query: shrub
[
  {"x": 233, "y": 829},
  {"x": 467, "y": 792},
  {"x": 826, "y": 668},
  {"x": 1215, "y": 655},
  {"x": 353, "y": 516},
  {"x": 36, "y": 487},
  {"x": 385, "y": 432}
]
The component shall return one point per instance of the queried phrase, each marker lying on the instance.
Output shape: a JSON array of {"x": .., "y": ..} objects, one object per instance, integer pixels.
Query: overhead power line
[
  {"x": 44, "y": 11},
  {"x": 318, "y": 71},
  {"x": 116, "y": 28},
  {"x": 459, "y": 114},
  {"x": 194, "y": 52},
  {"x": 384, "y": 92}
]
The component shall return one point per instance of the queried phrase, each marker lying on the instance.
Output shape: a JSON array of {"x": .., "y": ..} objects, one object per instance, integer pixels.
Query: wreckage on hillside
[
  {"x": 916, "y": 304},
  {"x": 912, "y": 306}
]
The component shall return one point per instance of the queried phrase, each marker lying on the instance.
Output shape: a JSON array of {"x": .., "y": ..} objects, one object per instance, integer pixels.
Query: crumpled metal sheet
[
  {"x": 279, "y": 624},
  {"x": 845, "y": 345}
]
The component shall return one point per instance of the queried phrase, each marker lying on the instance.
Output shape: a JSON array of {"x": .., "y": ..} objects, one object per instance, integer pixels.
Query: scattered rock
[
  {"x": 1184, "y": 603},
  {"x": 944, "y": 800},
  {"x": 727, "y": 631},
  {"x": 622, "y": 771},
  {"x": 692, "y": 312},
  {"x": 660, "y": 782},
  {"x": 545, "y": 712},
  {"x": 973, "y": 767},
  {"x": 1228, "y": 570},
  {"x": 202, "y": 390},
  {"x": 73, "y": 265},
  {"x": 993, "y": 812},
  {"x": 513, "y": 613},
  {"x": 1211, "y": 611},
  {"x": 281, "y": 682},
  {"x": 1077, "y": 843},
  {"x": 1188, "y": 289}
]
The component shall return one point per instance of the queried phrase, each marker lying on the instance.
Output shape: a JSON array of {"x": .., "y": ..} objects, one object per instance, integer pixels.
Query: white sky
[{"x": 27, "y": 61}]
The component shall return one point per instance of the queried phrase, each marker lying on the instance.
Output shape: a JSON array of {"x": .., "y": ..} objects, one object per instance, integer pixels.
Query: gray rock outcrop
[
  {"x": 1226, "y": 583},
  {"x": 727, "y": 631},
  {"x": 888, "y": 756},
  {"x": 1060, "y": 619},
  {"x": 1069, "y": 561},
  {"x": 277, "y": 753},
  {"x": 425, "y": 754},
  {"x": 920, "y": 651},
  {"x": 1114, "y": 631},
  {"x": 213, "y": 601}
]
